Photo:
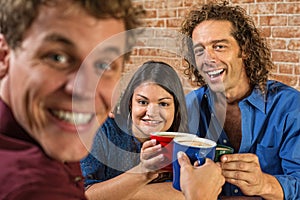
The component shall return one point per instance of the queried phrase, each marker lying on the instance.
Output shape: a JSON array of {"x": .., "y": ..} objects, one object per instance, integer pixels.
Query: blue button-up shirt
[{"x": 270, "y": 129}]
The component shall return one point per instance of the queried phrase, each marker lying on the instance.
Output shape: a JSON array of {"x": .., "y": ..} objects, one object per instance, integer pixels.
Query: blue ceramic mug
[{"x": 196, "y": 148}]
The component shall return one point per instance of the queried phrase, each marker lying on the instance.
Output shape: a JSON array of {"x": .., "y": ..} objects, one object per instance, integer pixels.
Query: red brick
[
  {"x": 294, "y": 20},
  {"x": 286, "y": 69},
  {"x": 152, "y": 4},
  {"x": 167, "y": 13},
  {"x": 155, "y": 23},
  {"x": 265, "y": 31},
  {"x": 294, "y": 44},
  {"x": 173, "y": 23},
  {"x": 268, "y": 1},
  {"x": 286, "y": 32},
  {"x": 151, "y": 14},
  {"x": 287, "y": 79},
  {"x": 297, "y": 70},
  {"x": 288, "y": 8},
  {"x": 262, "y": 9},
  {"x": 273, "y": 20},
  {"x": 277, "y": 44},
  {"x": 242, "y": 1},
  {"x": 173, "y": 3},
  {"x": 285, "y": 56}
]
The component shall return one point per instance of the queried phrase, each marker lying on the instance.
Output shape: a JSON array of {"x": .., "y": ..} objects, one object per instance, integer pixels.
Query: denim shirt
[
  {"x": 114, "y": 152},
  {"x": 270, "y": 129}
]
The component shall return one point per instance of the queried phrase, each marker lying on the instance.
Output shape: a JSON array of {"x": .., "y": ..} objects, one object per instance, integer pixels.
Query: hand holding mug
[
  {"x": 151, "y": 158},
  {"x": 244, "y": 171},
  {"x": 203, "y": 182}
]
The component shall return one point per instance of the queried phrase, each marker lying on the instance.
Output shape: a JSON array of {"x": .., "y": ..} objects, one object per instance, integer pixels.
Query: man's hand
[
  {"x": 203, "y": 182},
  {"x": 243, "y": 170}
]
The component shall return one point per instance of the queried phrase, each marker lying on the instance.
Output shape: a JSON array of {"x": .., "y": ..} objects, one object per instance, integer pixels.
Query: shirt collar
[{"x": 256, "y": 98}]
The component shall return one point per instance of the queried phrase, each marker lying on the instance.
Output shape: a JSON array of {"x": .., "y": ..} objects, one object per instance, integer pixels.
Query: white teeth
[
  {"x": 72, "y": 117},
  {"x": 154, "y": 122},
  {"x": 213, "y": 73}
]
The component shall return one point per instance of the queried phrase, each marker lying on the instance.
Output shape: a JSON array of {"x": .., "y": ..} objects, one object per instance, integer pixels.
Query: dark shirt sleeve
[{"x": 90, "y": 167}]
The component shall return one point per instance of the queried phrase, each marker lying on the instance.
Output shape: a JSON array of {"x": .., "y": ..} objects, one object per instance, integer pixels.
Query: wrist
[
  {"x": 144, "y": 174},
  {"x": 271, "y": 188}
]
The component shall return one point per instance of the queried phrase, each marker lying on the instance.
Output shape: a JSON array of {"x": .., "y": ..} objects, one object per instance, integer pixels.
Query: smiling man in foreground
[{"x": 54, "y": 55}]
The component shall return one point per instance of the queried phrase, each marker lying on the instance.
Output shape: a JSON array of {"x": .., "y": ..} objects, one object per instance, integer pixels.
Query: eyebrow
[
  {"x": 211, "y": 42},
  {"x": 110, "y": 49},
  {"x": 63, "y": 40},
  {"x": 158, "y": 99},
  {"x": 59, "y": 39}
]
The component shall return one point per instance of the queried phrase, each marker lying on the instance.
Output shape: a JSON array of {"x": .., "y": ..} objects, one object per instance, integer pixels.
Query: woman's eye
[
  {"x": 142, "y": 102},
  {"x": 163, "y": 104}
]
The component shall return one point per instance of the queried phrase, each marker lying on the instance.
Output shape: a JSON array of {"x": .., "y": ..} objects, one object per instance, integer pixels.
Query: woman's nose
[{"x": 152, "y": 110}]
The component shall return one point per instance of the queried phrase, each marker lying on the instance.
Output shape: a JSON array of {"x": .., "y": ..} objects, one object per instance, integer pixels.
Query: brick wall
[{"x": 279, "y": 21}]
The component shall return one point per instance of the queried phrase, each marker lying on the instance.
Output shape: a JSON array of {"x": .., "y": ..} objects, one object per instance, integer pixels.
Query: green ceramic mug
[{"x": 221, "y": 150}]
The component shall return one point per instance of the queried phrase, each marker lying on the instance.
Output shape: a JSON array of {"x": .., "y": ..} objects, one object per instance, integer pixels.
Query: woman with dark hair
[{"x": 153, "y": 101}]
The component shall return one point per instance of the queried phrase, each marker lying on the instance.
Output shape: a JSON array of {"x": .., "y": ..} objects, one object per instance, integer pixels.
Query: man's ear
[{"x": 4, "y": 56}]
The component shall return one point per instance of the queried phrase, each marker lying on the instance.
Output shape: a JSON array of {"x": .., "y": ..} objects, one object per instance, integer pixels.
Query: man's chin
[{"x": 69, "y": 155}]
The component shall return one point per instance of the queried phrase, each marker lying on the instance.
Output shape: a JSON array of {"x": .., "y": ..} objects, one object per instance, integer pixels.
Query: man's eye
[
  {"x": 198, "y": 52},
  {"x": 102, "y": 66},
  {"x": 57, "y": 60},
  {"x": 219, "y": 47}
]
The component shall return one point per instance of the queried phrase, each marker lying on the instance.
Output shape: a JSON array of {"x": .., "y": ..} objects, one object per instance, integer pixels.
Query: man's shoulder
[
  {"x": 281, "y": 90},
  {"x": 27, "y": 168},
  {"x": 197, "y": 93}
]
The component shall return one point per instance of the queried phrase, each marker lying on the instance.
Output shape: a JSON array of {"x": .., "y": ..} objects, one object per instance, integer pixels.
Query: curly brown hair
[
  {"x": 16, "y": 16},
  {"x": 258, "y": 57}
]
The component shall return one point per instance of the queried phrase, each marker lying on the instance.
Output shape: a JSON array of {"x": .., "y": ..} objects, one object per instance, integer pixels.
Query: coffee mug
[
  {"x": 166, "y": 141},
  {"x": 196, "y": 148},
  {"x": 221, "y": 150}
]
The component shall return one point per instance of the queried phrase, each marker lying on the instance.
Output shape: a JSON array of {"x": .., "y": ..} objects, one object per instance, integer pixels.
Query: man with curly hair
[
  {"x": 58, "y": 58},
  {"x": 238, "y": 106}
]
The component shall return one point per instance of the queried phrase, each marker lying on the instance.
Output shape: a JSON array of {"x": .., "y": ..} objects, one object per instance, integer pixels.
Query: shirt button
[
  {"x": 225, "y": 141},
  {"x": 77, "y": 179},
  {"x": 205, "y": 96},
  {"x": 212, "y": 115},
  {"x": 235, "y": 191}
]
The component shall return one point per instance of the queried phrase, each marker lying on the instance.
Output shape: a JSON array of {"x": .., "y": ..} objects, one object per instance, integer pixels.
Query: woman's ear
[{"x": 4, "y": 56}]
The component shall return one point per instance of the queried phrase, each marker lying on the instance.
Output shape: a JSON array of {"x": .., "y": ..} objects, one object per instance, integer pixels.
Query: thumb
[{"x": 183, "y": 159}]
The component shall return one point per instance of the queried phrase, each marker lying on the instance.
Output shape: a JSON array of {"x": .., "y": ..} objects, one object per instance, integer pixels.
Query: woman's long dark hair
[{"x": 163, "y": 75}]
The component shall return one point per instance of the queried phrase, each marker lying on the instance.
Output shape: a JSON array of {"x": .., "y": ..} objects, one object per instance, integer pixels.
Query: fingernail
[
  {"x": 153, "y": 141},
  {"x": 180, "y": 154},
  {"x": 162, "y": 158}
]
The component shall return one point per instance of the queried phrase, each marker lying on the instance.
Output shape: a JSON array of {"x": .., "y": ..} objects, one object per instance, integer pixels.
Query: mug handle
[{"x": 200, "y": 160}]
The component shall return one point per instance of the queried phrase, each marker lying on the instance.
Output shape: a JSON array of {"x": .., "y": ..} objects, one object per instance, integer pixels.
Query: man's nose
[
  {"x": 209, "y": 56},
  {"x": 82, "y": 84}
]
